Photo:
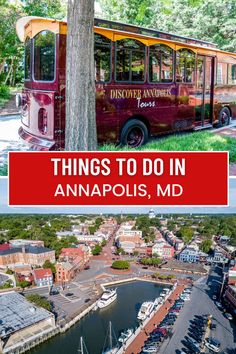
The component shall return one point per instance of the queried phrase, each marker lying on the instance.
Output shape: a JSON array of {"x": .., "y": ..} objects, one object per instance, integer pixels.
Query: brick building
[{"x": 32, "y": 255}]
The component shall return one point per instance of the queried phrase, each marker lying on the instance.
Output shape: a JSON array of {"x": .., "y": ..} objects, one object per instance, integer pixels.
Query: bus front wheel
[
  {"x": 224, "y": 117},
  {"x": 134, "y": 133}
]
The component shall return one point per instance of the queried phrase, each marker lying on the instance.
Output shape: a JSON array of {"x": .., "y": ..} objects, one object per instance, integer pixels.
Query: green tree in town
[
  {"x": 206, "y": 246},
  {"x": 186, "y": 233},
  {"x": 97, "y": 250},
  {"x": 39, "y": 301},
  {"x": 48, "y": 265},
  {"x": 120, "y": 265}
]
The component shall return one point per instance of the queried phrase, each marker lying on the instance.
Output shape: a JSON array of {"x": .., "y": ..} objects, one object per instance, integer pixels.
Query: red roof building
[
  {"x": 4, "y": 247},
  {"x": 43, "y": 277}
]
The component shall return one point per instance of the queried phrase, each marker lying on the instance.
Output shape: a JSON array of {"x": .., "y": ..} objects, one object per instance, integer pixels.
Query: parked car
[
  {"x": 228, "y": 316},
  {"x": 218, "y": 304},
  {"x": 212, "y": 344},
  {"x": 193, "y": 341}
]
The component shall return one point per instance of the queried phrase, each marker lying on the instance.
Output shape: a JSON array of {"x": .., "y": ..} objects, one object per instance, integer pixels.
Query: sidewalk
[{"x": 10, "y": 108}]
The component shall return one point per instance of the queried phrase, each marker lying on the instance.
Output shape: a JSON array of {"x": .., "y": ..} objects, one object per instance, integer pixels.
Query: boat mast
[
  {"x": 81, "y": 347},
  {"x": 110, "y": 335}
]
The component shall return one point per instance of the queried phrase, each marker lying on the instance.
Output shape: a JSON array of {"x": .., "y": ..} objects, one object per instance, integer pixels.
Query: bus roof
[
  {"x": 115, "y": 25},
  {"x": 106, "y": 28}
]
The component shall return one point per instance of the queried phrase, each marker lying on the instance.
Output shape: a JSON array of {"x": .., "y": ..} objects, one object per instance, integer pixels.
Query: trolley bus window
[
  {"x": 44, "y": 56},
  {"x": 185, "y": 65},
  {"x": 27, "y": 58},
  {"x": 130, "y": 59},
  {"x": 102, "y": 55},
  {"x": 160, "y": 63},
  {"x": 231, "y": 74},
  {"x": 222, "y": 74}
]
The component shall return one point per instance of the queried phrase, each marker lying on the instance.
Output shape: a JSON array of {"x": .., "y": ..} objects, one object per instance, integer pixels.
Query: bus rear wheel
[
  {"x": 224, "y": 117},
  {"x": 134, "y": 133}
]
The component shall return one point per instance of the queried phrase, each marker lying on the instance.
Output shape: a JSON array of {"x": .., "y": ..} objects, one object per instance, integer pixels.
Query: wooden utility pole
[{"x": 81, "y": 130}]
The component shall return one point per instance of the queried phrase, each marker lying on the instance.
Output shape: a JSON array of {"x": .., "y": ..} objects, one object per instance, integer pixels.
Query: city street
[{"x": 201, "y": 303}]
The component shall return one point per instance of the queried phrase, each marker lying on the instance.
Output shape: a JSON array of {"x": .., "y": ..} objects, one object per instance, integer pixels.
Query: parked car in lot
[
  {"x": 193, "y": 341},
  {"x": 198, "y": 338},
  {"x": 212, "y": 344},
  {"x": 228, "y": 316},
  {"x": 218, "y": 304}
]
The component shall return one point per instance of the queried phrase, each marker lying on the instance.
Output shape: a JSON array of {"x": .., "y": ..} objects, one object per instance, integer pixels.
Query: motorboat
[
  {"x": 124, "y": 336},
  {"x": 145, "y": 310},
  {"x": 107, "y": 298}
]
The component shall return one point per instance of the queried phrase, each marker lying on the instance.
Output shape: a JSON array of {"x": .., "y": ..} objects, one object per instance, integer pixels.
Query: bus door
[{"x": 204, "y": 92}]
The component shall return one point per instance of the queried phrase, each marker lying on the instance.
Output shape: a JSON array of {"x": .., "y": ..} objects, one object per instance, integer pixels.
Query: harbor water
[{"x": 94, "y": 326}]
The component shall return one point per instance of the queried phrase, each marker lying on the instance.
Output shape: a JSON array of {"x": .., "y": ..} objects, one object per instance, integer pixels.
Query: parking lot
[{"x": 201, "y": 303}]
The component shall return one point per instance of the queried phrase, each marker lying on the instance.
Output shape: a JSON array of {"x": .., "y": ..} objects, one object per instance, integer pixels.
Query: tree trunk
[{"x": 81, "y": 130}]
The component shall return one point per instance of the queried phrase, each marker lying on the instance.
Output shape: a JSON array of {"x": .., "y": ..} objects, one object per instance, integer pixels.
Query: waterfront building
[
  {"x": 71, "y": 261},
  {"x": 72, "y": 253},
  {"x": 21, "y": 322},
  {"x": 164, "y": 251},
  {"x": 192, "y": 255},
  {"x": 43, "y": 277},
  {"x": 26, "y": 255},
  {"x": 67, "y": 269},
  {"x": 189, "y": 255}
]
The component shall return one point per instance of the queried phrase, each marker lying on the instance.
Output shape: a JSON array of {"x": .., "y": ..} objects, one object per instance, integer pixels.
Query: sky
[{"x": 4, "y": 209}]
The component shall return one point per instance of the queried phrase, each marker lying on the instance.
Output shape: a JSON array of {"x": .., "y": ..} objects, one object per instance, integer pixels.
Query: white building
[
  {"x": 189, "y": 255},
  {"x": 151, "y": 214}
]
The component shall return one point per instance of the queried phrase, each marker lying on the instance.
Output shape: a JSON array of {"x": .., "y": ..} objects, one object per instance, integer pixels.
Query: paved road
[
  {"x": 9, "y": 139},
  {"x": 3, "y": 279},
  {"x": 202, "y": 303}
]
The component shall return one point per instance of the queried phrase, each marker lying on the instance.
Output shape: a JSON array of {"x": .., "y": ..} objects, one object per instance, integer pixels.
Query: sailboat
[
  {"x": 110, "y": 336},
  {"x": 82, "y": 347}
]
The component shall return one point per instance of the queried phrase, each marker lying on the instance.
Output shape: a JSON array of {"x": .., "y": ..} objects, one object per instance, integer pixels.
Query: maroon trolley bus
[{"x": 147, "y": 83}]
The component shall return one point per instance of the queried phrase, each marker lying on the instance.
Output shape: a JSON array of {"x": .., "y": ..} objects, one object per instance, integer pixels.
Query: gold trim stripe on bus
[{"x": 37, "y": 25}]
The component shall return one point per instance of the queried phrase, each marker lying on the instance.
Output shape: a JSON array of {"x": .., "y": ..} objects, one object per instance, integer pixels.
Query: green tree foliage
[
  {"x": 208, "y": 20},
  {"x": 97, "y": 250},
  {"x": 39, "y": 301},
  {"x": 155, "y": 261},
  {"x": 24, "y": 284},
  {"x": 206, "y": 246},
  {"x": 120, "y": 265},
  {"x": 11, "y": 49},
  {"x": 48, "y": 265},
  {"x": 120, "y": 250},
  {"x": 44, "y": 8},
  {"x": 135, "y": 11},
  {"x": 186, "y": 233}
]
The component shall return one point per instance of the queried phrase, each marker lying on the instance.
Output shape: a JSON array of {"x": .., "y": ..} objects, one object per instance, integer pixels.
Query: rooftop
[
  {"x": 17, "y": 313},
  {"x": 28, "y": 249},
  {"x": 42, "y": 273}
]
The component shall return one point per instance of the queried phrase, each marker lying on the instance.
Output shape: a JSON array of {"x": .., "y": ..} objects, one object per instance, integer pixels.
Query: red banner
[{"x": 118, "y": 178}]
